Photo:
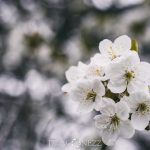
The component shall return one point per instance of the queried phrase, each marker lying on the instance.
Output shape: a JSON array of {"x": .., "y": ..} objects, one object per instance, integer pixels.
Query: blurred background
[{"x": 39, "y": 40}]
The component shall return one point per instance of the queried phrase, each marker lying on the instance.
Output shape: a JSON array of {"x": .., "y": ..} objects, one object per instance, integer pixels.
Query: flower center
[
  {"x": 98, "y": 72},
  {"x": 112, "y": 53},
  {"x": 91, "y": 95},
  {"x": 142, "y": 108},
  {"x": 129, "y": 75},
  {"x": 115, "y": 120}
]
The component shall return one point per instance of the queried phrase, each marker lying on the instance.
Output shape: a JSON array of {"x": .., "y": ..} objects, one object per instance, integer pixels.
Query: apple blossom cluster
[{"x": 115, "y": 84}]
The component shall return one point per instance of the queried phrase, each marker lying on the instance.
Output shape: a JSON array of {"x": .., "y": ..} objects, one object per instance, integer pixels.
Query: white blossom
[
  {"x": 82, "y": 71},
  {"x": 128, "y": 73},
  {"x": 117, "y": 84},
  {"x": 89, "y": 94},
  {"x": 112, "y": 50},
  {"x": 113, "y": 122},
  {"x": 26, "y": 35},
  {"x": 139, "y": 103},
  {"x": 95, "y": 70},
  {"x": 73, "y": 74}
]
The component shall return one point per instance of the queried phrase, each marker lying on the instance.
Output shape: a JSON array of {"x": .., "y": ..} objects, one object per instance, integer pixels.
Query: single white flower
[
  {"x": 95, "y": 71},
  {"x": 139, "y": 103},
  {"x": 128, "y": 73},
  {"x": 113, "y": 122},
  {"x": 73, "y": 74},
  {"x": 89, "y": 94},
  {"x": 112, "y": 50}
]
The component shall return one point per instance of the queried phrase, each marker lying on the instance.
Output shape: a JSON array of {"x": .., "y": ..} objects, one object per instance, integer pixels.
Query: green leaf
[{"x": 134, "y": 45}]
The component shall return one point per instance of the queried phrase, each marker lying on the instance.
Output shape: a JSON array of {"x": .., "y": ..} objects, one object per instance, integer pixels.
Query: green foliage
[{"x": 134, "y": 45}]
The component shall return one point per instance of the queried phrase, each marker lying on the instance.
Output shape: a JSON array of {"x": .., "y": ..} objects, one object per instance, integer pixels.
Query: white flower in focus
[
  {"x": 111, "y": 74},
  {"x": 112, "y": 50},
  {"x": 113, "y": 122},
  {"x": 73, "y": 74},
  {"x": 128, "y": 73},
  {"x": 139, "y": 104},
  {"x": 89, "y": 94},
  {"x": 99, "y": 59},
  {"x": 95, "y": 71}
]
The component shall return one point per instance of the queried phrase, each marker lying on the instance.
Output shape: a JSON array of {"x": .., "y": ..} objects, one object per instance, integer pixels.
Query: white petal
[
  {"x": 139, "y": 121},
  {"x": 101, "y": 121},
  {"x": 115, "y": 70},
  {"x": 80, "y": 89},
  {"x": 144, "y": 70},
  {"x": 118, "y": 86},
  {"x": 122, "y": 43},
  {"x": 84, "y": 84},
  {"x": 77, "y": 95},
  {"x": 135, "y": 99},
  {"x": 123, "y": 110},
  {"x": 66, "y": 88},
  {"x": 132, "y": 59},
  {"x": 138, "y": 97},
  {"x": 105, "y": 47},
  {"x": 85, "y": 107},
  {"x": 98, "y": 103},
  {"x": 98, "y": 87},
  {"x": 109, "y": 137},
  {"x": 102, "y": 102},
  {"x": 94, "y": 72},
  {"x": 99, "y": 59},
  {"x": 109, "y": 109},
  {"x": 125, "y": 99},
  {"x": 73, "y": 74},
  {"x": 81, "y": 65},
  {"x": 136, "y": 85},
  {"x": 126, "y": 129}
]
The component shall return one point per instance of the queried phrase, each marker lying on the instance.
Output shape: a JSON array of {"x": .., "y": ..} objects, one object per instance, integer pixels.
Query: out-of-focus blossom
[
  {"x": 43, "y": 54},
  {"x": 72, "y": 49},
  {"x": 11, "y": 86},
  {"x": 122, "y": 3},
  {"x": 26, "y": 38},
  {"x": 104, "y": 5},
  {"x": 127, "y": 22},
  {"x": 8, "y": 14},
  {"x": 125, "y": 144},
  {"x": 37, "y": 85},
  {"x": 77, "y": 135}
]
